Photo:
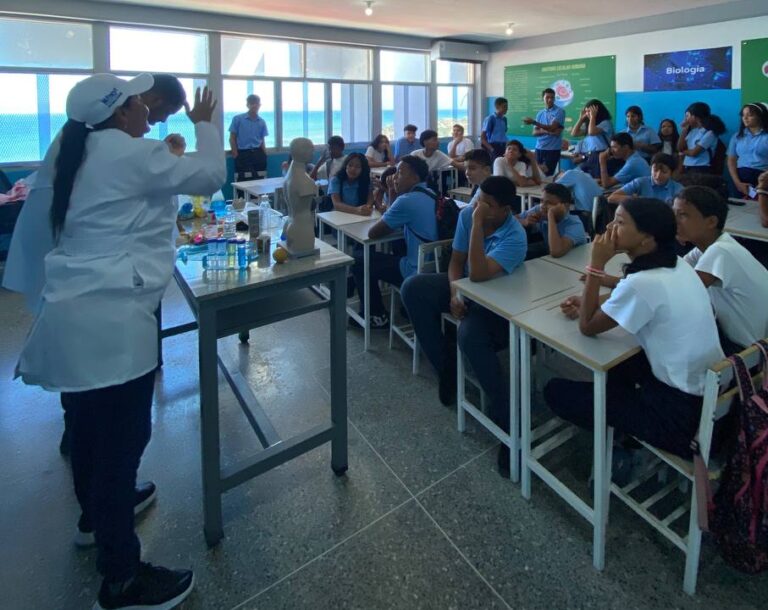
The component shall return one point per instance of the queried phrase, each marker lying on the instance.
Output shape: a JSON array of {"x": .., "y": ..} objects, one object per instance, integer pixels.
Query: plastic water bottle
[
  {"x": 218, "y": 204},
  {"x": 230, "y": 222},
  {"x": 265, "y": 214}
]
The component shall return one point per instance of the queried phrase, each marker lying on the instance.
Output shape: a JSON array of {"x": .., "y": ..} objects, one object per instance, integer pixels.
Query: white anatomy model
[{"x": 300, "y": 191}]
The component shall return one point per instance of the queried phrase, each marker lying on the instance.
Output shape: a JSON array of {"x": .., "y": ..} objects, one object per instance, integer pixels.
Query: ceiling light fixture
[
  {"x": 509, "y": 31},
  {"x": 368, "y": 9}
]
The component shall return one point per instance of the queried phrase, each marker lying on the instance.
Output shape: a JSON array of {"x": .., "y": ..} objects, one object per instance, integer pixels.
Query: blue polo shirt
[
  {"x": 751, "y": 149},
  {"x": 569, "y": 226},
  {"x": 600, "y": 142},
  {"x": 646, "y": 187},
  {"x": 699, "y": 137},
  {"x": 414, "y": 212},
  {"x": 583, "y": 188},
  {"x": 644, "y": 135},
  {"x": 250, "y": 132},
  {"x": 495, "y": 128},
  {"x": 348, "y": 191},
  {"x": 547, "y": 117},
  {"x": 404, "y": 147},
  {"x": 507, "y": 245},
  {"x": 634, "y": 167}
]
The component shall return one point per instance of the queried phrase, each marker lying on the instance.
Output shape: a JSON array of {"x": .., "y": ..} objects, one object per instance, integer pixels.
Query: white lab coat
[{"x": 113, "y": 261}]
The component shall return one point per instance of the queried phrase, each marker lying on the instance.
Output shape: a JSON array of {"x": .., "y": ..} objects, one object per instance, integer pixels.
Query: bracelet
[
  {"x": 761, "y": 192},
  {"x": 594, "y": 271}
]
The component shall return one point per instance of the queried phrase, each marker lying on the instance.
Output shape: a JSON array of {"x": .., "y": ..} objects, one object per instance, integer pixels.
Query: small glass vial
[
  {"x": 231, "y": 253},
  {"x": 221, "y": 253},
  {"x": 242, "y": 254}
]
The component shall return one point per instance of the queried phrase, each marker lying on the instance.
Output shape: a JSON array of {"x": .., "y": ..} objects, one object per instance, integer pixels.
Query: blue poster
[{"x": 696, "y": 69}]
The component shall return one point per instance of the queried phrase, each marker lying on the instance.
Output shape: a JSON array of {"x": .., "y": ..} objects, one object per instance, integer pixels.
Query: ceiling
[{"x": 481, "y": 20}]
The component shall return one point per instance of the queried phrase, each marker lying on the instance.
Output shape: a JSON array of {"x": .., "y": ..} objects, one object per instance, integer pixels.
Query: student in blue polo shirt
[
  {"x": 748, "y": 149},
  {"x": 647, "y": 141},
  {"x": 559, "y": 229},
  {"x": 414, "y": 212},
  {"x": 698, "y": 138},
  {"x": 489, "y": 242},
  {"x": 595, "y": 125},
  {"x": 407, "y": 144},
  {"x": 493, "y": 136},
  {"x": 548, "y": 129},
  {"x": 247, "y": 135},
  {"x": 659, "y": 185},
  {"x": 623, "y": 149},
  {"x": 350, "y": 189},
  {"x": 583, "y": 188}
]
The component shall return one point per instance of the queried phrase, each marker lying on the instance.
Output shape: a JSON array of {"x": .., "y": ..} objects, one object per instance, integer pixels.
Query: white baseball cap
[{"x": 94, "y": 100}]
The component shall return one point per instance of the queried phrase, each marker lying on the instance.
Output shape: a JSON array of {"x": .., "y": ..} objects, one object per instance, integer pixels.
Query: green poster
[
  {"x": 754, "y": 70},
  {"x": 575, "y": 82}
]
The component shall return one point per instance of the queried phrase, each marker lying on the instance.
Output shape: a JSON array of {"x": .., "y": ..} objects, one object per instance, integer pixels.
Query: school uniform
[
  {"x": 436, "y": 161},
  {"x": 250, "y": 132},
  {"x": 330, "y": 168},
  {"x": 403, "y": 147},
  {"x": 502, "y": 168},
  {"x": 634, "y": 167},
  {"x": 495, "y": 129},
  {"x": 668, "y": 312},
  {"x": 349, "y": 191},
  {"x": 375, "y": 155},
  {"x": 462, "y": 148},
  {"x": 594, "y": 145},
  {"x": 481, "y": 333},
  {"x": 583, "y": 188},
  {"x": 740, "y": 294},
  {"x": 646, "y": 187},
  {"x": 751, "y": 150},
  {"x": 644, "y": 135},
  {"x": 549, "y": 146},
  {"x": 414, "y": 212},
  {"x": 568, "y": 226},
  {"x": 705, "y": 138},
  {"x": 669, "y": 148}
]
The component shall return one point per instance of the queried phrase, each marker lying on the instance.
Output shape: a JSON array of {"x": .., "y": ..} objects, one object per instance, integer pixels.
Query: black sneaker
[
  {"x": 146, "y": 493},
  {"x": 153, "y": 588},
  {"x": 379, "y": 322}
]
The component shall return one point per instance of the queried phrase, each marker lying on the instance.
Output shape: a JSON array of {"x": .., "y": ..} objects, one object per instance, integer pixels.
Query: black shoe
[
  {"x": 380, "y": 322},
  {"x": 153, "y": 588},
  {"x": 146, "y": 493},
  {"x": 447, "y": 384},
  {"x": 502, "y": 461}
]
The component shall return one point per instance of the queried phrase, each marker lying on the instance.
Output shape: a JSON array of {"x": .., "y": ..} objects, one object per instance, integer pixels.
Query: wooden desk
[
  {"x": 527, "y": 287},
  {"x": 548, "y": 325},
  {"x": 229, "y": 302}
]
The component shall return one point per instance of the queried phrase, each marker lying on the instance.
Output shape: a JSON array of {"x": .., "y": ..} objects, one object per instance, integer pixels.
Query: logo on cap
[{"x": 110, "y": 98}]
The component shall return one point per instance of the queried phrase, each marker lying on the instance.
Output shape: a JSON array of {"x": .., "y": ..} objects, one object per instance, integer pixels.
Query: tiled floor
[{"x": 421, "y": 519}]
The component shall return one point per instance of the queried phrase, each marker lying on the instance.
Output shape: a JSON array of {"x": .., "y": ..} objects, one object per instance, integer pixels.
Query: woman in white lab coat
[{"x": 95, "y": 336}]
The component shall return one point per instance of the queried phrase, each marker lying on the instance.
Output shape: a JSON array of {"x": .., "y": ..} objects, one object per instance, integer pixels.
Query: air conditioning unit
[{"x": 459, "y": 51}]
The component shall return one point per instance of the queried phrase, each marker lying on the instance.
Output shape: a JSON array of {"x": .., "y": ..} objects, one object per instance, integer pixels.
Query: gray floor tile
[{"x": 402, "y": 561}]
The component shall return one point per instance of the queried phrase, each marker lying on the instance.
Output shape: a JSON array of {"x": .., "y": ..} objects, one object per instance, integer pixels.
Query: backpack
[
  {"x": 738, "y": 514},
  {"x": 717, "y": 158},
  {"x": 446, "y": 215}
]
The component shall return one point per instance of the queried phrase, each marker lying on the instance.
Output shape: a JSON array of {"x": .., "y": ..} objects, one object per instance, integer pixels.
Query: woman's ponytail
[{"x": 68, "y": 162}]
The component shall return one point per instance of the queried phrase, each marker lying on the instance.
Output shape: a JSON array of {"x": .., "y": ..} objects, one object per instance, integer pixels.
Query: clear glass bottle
[{"x": 230, "y": 222}]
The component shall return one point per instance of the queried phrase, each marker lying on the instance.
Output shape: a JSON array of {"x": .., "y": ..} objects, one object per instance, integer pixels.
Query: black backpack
[{"x": 446, "y": 214}]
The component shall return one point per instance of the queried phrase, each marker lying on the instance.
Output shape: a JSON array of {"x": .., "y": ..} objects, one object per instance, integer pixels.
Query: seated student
[
  {"x": 646, "y": 140},
  {"x": 659, "y": 185},
  {"x": 489, "y": 242},
  {"x": 478, "y": 168},
  {"x": 414, "y": 212},
  {"x": 350, "y": 189},
  {"x": 698, "y": 138},
  {"x": 595, "y": 124},
  {"x": 459, "y": 145},
  {"x": 748, "y": 149},
  {"x": 580, "y": 153},
  {"x": 407, "y": 144},
  {"x": 330, "y": 161},
  {"x": 518, "y": 165},
  {"x": 623, "y": 149},
  {"x": 308, "y": 167},
  {"x": 737, "y": 283},
  {"x": 548, "y": 129},
  {"x": 384, "y": 189},
  {"x": 583, "y": 188},
  {"x": 559, "y": 229},
  {"x": 378, "y": 153},
  {"x": 430, "y": 152},
  {"x": 668, "y": 136},
  {"x": 493, "y": 136},
  {"x": 655, "y": 396}
]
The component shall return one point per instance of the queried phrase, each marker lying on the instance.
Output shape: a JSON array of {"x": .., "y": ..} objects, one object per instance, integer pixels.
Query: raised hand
[{"x": 203, "y": 108}]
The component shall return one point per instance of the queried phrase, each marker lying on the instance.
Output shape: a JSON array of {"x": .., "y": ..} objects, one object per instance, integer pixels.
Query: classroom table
[
  {"x": 548, "y": 325},
  {"x": 579, "y": 257},
  {"x": 228, "y": 302},
  {"x": 358, "y": 231},
  {"x": 461, "y": 193},
  {"x": 535, "y": 282},
  {"x": 745, "y": 222},
  {"x": 335, "y": 220},
  {"x": 528, "y": 193},
  {"x": 257, "y": 188}
]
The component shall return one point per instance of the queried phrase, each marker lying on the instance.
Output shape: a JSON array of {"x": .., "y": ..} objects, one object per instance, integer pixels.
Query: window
[
  {"x": 140, "y": 50},
  {"x": 400, "y": 67},
  {"x": 454, "y": 72},
  {"x": 260, "y": 57},
  {"x": 45, "y": 44},
  {"x": 343, "y": 63},
  {"x": 179, "y": 122},
  {"x": 303, "y": 111},
  {"x": 351, "y": 111},
  {"x": 452, "y": 107},
  {"x": 403, "y": 104},
  {"x": 235, "y": 92}
]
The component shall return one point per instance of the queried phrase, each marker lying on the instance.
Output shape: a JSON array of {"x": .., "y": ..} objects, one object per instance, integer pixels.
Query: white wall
[{"x": 629, "y": 51}]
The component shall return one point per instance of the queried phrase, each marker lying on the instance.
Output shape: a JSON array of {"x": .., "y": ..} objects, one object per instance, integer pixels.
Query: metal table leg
[
  {"x": 367, "y": 291},
  {"x": 338, "y": 338},
  {"x": 601, "y": 474}
]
